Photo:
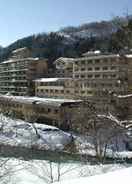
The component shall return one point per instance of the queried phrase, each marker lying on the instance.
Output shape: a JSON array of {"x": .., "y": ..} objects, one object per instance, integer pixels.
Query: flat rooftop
[
  {"x": 20, "y": 59},
  {"x": 51, "y": 79},
  {"x": 38, "y": 100}
]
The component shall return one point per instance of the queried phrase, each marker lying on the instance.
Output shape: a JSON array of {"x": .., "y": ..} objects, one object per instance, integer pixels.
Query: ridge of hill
[{"x": 73, "y": 41}]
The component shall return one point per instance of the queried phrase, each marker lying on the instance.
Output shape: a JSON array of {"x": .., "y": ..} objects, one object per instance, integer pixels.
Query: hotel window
[
  {"x": 90, "y": 69},
  {"x": 56, "y": 111},
  {"x": 67, "y": 91},
  {"x": 90, "y": 76},
  {"x": 41, "y": 84},
  {"x": 89, "y": 92},
  {"x": 105, "y": 68},
  {"x": 90, "y": 61},
  {"x": 105, "y": 76},
  {"x": 82, "y": 69},
  {"x": 83, "y": 62},
  {"x": 97, "y": 68},
  {"x": 82, "y": 76},
  {"x": 76, "y": 76},
  {"x": 97, "y": 61},
  {"x": 82, "y": 92},
  {"x": 49, "y": 110},
  {"x": 114, "y": 76},
  {"x": 76, "y": 85},
  {"x": 97, "y": 76}
]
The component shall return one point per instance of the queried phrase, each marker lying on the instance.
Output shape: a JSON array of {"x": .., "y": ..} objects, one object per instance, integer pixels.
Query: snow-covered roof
[
  {"x": 99, "y": 56},
  {"x": 50, "y": 79},
  {"x": 121, "y": 176},
  {"x": 92, "y": 55},
  {"x": 89, "y": 57},
  {"x": 124, "y": 96},
  {"x": 20, "y": 59},
  {"x": 89, "y": 53},
  {"x": 38, "y": 100},
  {"x": 64, "y": 60},
  {"x": 128, "y": 56},
  {"x": 18, "y": 50},
  {"x": 45, "y": 127}
]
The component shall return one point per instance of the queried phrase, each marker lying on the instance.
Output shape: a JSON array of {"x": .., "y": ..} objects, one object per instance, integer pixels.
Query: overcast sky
[{"x": 20, "y": 18}]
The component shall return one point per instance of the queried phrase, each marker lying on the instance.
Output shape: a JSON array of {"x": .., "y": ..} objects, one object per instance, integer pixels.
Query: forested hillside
[{"x": 107, "y": 36}]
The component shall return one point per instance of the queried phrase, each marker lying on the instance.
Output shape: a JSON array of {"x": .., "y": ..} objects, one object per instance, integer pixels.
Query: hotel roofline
[{"x": 37, "y": 100}]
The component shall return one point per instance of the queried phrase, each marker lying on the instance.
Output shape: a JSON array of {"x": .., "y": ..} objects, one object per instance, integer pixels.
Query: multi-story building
[
  {"x": 99, "y": 78},
  {"x": 23, "y": 52},
  {"x": 95, "y": 76},
  {"x": 17, "y": 73},
  {"x": 70, "y": 88},
  {"x": 102, "y": 73},
  {"x": 64, "y": 67},
  {"x": 55, "y": 87}
]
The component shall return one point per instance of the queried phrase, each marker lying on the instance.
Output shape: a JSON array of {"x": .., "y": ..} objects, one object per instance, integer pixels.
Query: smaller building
[
  {"x": 55, "y": 87},
  {"x": 43, "y": 110},
  {"x": 64, "y": 67},
  {"x": 23, "y": 52}
]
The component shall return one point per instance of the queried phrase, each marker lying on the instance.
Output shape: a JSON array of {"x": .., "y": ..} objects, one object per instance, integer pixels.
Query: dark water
[
  {"x": 32, "y": 154},
  {"x": 29, "y": 154}
]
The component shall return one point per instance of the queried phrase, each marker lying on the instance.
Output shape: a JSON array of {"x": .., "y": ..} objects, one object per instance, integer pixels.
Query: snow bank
[
  {"x": 39, "y": 171},
  {"x": 121, "y": 176},
  {"x": 20, "y": 133}
]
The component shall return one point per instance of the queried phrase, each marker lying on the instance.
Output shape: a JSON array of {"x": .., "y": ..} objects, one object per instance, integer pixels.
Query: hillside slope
[{"x": 73, "y": 41}]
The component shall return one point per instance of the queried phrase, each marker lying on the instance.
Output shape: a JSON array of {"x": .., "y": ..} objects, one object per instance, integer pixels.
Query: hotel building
[{"x": 17, "y": 73}]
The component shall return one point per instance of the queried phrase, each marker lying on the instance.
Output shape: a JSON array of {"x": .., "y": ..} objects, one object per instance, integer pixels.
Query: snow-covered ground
[
  {"x": 20, "y": 133},
  {"x": 43, "y": 172},
  {"x": 24, "y": 134},
  {"x": 84, "y": 146},
  {"x": 121, "y": 176},
  {"x": 44, "y": 137}
]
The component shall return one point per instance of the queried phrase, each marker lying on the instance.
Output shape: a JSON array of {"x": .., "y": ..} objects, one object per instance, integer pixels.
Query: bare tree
[
  {"x": 50, "y": 171},
  {"x": 102, "y": 129}
]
